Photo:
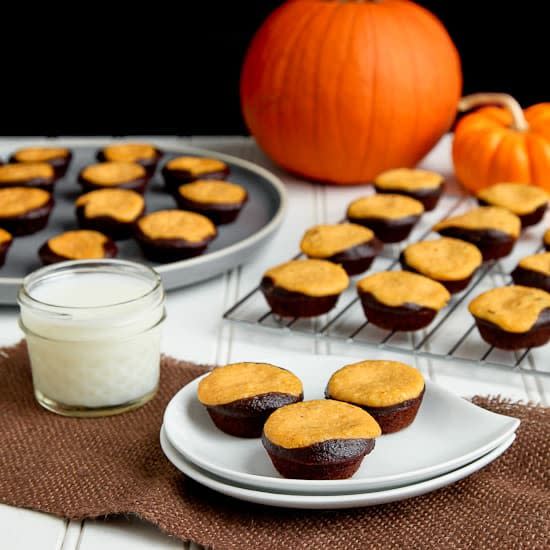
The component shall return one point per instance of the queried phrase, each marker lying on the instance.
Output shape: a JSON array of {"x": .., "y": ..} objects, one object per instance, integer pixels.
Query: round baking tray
[{"x": 236, "y": 242}]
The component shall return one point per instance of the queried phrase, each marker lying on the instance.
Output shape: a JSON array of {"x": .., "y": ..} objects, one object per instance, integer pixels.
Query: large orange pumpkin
[
  {"x": 502, "y": 143},
  {"x": 339, "y": 91}
]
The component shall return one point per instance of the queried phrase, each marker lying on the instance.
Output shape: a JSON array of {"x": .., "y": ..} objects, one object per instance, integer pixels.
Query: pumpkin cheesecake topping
[
  {"x": 444, "y": 259},
  {"x": 123, "y": 205},
  {"x": 10, "y": 173},
  {"x": 388, "y": 206},
  {"x": 407, "y": 179},
  {"x": 40, "y": 154},
  {"x": 213, "y": 192},
  {"x": 243, "y": 380},
  {"x": 512, "y": 308},
  {"x": 306, "y": 423},
  {"x": 113, "y": 173},
  {"x": 324, "y": 241},
  {"x": 196, "y": 166},
  {"x": 129, "y": 152},
  {"x": 376, "y": 383},
  {"x": 398, "y": 288},
  {"x": 5, "y": 237},
  {"x": 537, "y": 262},
  {"x": 519, "y": 198},
  {"x": 310, "y": 277},
  {"x": 177, "y": 224},
  {"x": 80, "y": 244},
  {"x": 484, "y": 218},
  {"x": 17, "y": 201}
]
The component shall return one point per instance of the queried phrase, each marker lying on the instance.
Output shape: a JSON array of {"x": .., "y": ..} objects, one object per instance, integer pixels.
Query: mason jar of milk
[{"x": 93, "y": 332}]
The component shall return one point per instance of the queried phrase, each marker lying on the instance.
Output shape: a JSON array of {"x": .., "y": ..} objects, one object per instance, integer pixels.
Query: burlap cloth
[{"x": 89, "y": 468}]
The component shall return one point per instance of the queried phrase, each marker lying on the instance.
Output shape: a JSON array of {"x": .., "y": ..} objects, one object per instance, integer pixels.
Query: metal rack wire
[{"x": 452, "y": 336}]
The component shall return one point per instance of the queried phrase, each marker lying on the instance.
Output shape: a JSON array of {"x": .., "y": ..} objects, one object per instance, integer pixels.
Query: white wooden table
[{"x": 194, "y": 331}]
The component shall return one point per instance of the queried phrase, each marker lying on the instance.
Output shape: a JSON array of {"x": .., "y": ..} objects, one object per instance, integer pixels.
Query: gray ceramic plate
[{"x": 235, "y": 244}]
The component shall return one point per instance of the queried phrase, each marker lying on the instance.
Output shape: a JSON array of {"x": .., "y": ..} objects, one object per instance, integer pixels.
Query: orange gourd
[
  {"x": 502, "y": 143},
  {"x": 339, "y": 91}
]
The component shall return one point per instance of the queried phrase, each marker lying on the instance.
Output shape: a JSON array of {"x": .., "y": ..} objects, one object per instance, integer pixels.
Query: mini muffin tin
[{"x": 236, "y": 242}]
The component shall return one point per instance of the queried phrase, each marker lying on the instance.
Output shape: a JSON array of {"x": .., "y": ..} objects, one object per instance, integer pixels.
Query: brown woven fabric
[{"x": 88, "y": 468}]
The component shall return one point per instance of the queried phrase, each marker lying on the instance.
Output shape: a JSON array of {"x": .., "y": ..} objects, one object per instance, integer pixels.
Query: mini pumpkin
[{"x": 500, "y": 142}]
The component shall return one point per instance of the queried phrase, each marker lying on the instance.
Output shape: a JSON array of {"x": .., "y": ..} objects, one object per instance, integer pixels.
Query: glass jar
[{"x": 93, "y": 332}]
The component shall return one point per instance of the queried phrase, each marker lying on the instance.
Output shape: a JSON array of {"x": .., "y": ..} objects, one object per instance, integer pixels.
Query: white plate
[
  {"x": 447, "y": 433},
  {"x": 326, "y": 502}
]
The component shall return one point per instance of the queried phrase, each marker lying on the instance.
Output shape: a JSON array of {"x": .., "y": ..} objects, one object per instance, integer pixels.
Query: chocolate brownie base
[
  {"x": 149, "y": 164},
  {"x": 29, "y": 222},
  {"x": 139, "y": 185},
  {"x": 388, "y": 231},
  {"x": 529, "y": 277},
  {"x": 115, "y": 229},
  {"x": 48, "y": 256},
  {"x": 4, "y": 247},
  {"x": 295, "y": 304},
  {"x": 428, "y": 197},
  {"x": 332, "y": 459},
  {"x": 174, "y": 178},
  {"x": 60, "y": 165},
  {"x": 359, "y": 258},
  {"x": 408, "y": 317},
  {"x": 220, "y": 214},
  {"x": 532, "y": 218},
  {"x": 169, "y": 250},
  {"x": 47, "y": 184},
  {"x": 537, "y": 336},
  {"x": 246, "y": 417},
  {"x": 492, "y": 244}
]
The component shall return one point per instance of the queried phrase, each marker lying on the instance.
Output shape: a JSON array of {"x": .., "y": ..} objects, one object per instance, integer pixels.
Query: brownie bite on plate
[
  {"x": 24, "y": 210},
  {"x": 144, "y": 154},
  {"x": 58, "y": 158},
  {"x": 185, "y": 169},
  {"x": 110, "y": 175},
  {"x": 6, "y": 240},
  {"x": 33, "y": 174},
  {"x": 80, "y": 244}
]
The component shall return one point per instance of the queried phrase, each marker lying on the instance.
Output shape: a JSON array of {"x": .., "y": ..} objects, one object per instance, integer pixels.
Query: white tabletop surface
[{"x": 194, "y": 331}]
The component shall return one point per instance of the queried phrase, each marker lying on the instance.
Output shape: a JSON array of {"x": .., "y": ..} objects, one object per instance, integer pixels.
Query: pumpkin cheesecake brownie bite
[
  {"x": 513, "y": 317},
  {"x": 110, "y": 211},
  {"x": 391, "y": 217},
  {"x": 400, "y": 300},
  {"x": 58, "y": 158},
  {"x": 172, "y": 235},
  {"x": 24, "y": 210},
  {"x": 451, "y": 262},
  {"x": 240, "y": 397},
  {"x": 5, "y": 242},
  {"x": 533, "y": 271},
  {"x": 492, "y": 229},
  {"x": 528, "y": 202},
  {"x": 36, "y": 174},
  {"x": 219, "y": 200},
  {"x": 80, "y": 244},
  {"x": 110, "y": 175},
  {"x": 422, "y": 185},
  {"x": 303, "y": 288},
  {"x": 144, "y": 154},
  {"x": 352, "y": 246},
  {"x": 186, "y": 169},
  {"x": 390, "y": 391},
  {"x": 322, "y": 439}
]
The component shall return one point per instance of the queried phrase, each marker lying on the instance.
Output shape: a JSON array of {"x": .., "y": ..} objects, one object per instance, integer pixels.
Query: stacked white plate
[{"x": 449, "y": 440}]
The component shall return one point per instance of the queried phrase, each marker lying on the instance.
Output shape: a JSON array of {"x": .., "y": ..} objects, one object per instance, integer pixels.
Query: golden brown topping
[
  {"x": 323, "y": 241},
  {"x": 519, "y": 198},
  {"x": 5, "y": 237},
  {"x": 406, "y": 179},
  {"x": 376, "y": 383},
  {"x": 213, "y": 192},
  {"x": 391, "y": 207},
  {"x": 310, "y": 277},
  {"x": 40, "y": 154},
  {"x": 17, "y": 173},
  {"x": 397, "y": 288},
  {"x": 112, "y": 173},
  {"x": 512, "y": 308},
  {"x": 129, "y": 152},
  {"x": 309, "y": 422},
  {"x": 15, "y": 201},
  {"x": 177, "y": 224},
  {"x": 484, "y": 217},
  {"x": 444, "y": 259},
  {"x": 242, "y": 380},
  {"x": 79, "y": 245},
  {"x": 537, "y": 262},
  {"x": 123, "y": 205},
  {"x": 196, "y": 166}
]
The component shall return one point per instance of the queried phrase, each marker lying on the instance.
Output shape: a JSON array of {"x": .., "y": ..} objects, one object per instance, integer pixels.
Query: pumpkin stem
[{"x": 519, "y": 122}]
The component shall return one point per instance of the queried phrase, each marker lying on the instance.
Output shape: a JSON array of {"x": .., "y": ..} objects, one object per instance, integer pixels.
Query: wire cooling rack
[{"x": 452, "y": 336}]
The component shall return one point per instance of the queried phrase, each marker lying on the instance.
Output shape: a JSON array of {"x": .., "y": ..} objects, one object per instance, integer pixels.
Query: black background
[{"x": 174, "y": 68}]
